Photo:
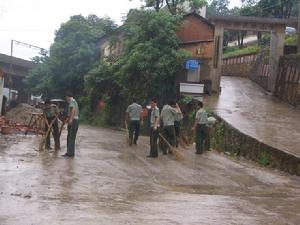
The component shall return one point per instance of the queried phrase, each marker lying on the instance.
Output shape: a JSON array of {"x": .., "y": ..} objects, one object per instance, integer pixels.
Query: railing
[
  {"x": 288, "y": 80},
  {"x": 238, "y": 65},
  {"x": 246, "y": 58},
  {"x": 260, "y": 69}
]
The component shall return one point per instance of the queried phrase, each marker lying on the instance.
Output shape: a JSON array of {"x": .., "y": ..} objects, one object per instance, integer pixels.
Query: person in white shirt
[{"x": 134, "y": 115}]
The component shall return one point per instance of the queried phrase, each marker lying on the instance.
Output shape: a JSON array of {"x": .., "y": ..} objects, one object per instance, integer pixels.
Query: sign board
[
  {"x": 191, "y": 88},
  {"x": 192, "y": 64}
]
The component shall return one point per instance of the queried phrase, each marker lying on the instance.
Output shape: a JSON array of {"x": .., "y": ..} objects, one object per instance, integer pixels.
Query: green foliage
[
  {"x": 208, "y": 110},
  {"x": 99, "y": 84},
  {"x": 265, "y": 40},
  {"x": 235, "y": 151},
  {"x": 218, "y": 139},
  {"x": 152, "y": 56},
  {"x": 234, "y": 51},
  {"x": 186, "y": 100},
  {"x": 276, "y": 8},
  {"x": 264, "y": 158},
  {"x": 291, "y": 40},
  {"x": 218, "y": 7},
  {"x": 146, "y": 68},
  {"x": 175, "y": 7},
  {"x": 72, "y": 55}
]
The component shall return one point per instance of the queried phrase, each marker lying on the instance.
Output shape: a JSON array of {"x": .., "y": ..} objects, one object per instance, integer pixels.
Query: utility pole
[
  {"x": 10, "y": 81},
  {"x": 298, "y": 45}
]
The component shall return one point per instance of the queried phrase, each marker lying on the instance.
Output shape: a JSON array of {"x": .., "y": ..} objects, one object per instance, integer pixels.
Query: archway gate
[{"x": 276, "y": 27}]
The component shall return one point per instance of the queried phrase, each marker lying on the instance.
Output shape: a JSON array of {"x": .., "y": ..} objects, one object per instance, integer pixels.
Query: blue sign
[{"x": 192, "y": 64}]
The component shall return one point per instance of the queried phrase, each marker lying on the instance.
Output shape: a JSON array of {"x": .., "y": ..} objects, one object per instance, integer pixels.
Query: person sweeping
[
  {"x": 200, "y": 126},
  {"x": 168, "y": 115},
  {"x": 51, "y": 113}
]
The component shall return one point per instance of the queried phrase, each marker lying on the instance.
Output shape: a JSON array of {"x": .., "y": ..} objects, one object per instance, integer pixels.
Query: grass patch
[
  {"x": 218, "y": 139},
  {"x": 235, "y": 51},
  {"x": 291, "y": 40},
  {"x": 264, "y": 159}
]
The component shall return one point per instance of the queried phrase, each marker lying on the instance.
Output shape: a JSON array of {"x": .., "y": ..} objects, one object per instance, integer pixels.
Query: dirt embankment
[{"x": 21, "y": 114}]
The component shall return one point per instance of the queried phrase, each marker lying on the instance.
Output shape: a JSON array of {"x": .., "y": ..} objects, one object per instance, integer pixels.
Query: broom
[
  {"x": 173, "y": 150},
  {"x": 127, "y": 133},
  {"x": 42, "y": 143},
  {"x": 62, "y": 127}
]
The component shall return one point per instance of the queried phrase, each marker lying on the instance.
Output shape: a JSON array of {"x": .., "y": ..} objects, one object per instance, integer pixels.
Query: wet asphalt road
[{"x": 109, "y": 183}]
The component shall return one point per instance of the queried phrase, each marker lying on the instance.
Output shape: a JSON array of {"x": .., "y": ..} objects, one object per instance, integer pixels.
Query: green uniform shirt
[
  {"x": 73, "y": 104},
  {"x": 201, "y": 116},
  {"x": 168, "y": 115},
  {"x": 51, "y": 111},
  {"x": 134, "y": 111},
  {"x": 154, "y": 113}
]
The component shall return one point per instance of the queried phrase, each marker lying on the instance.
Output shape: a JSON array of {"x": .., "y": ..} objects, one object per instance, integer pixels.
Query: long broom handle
[
  {"x": 165, "y": 140},
  {"x": 61, "y": 127}
]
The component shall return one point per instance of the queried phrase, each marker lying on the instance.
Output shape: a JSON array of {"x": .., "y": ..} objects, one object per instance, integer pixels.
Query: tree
[
  {"x": 72, "y": 55},
  {"x": 175, "y": 6},
  {"x": 276, "y": 8},
  {"x": 152, "y": 56},
  {"x": 218, "y": 7}
]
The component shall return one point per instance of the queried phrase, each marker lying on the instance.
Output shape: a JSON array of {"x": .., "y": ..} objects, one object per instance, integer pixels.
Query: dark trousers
[
  {"x": 134, "y": 128},
  {"x": 153, "y": 142},
  {"x": 72, "y": 131},
  {"x": 169, "y": 135},
  {"x": 55, "y": 132},
  {"x": 177, "y": 131},
  {"x": 201, "y": 133}
]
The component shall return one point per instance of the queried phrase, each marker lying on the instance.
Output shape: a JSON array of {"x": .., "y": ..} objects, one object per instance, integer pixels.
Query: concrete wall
[
  {"x": 237, "y": 70},
  {"x": 239, "y": 66}
]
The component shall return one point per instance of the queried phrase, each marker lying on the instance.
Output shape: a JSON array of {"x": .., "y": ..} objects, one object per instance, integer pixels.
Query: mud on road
[{"x": 110, "y": 183}]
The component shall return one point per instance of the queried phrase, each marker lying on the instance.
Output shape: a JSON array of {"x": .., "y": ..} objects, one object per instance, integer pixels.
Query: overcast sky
[{"x": 34, "y": 21}]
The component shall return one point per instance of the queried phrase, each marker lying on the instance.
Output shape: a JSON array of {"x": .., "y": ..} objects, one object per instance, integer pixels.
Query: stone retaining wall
[{"x": 242, "y": 145}]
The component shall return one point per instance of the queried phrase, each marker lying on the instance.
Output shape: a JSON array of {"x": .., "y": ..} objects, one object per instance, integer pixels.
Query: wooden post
[{"x": 298, "y": 45}]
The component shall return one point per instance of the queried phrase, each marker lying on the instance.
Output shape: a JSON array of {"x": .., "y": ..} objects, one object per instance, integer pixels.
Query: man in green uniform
[
  {"x": 154, "y": 120},
  {"x": 51, "y": 112},
  {"x": 73, "y": 123},
  {"x": 201, "y": 128},
  {"x": 134, "y": 114},
  {"x": 177, "y": 125},
  {"x": 168, "y": 115}
]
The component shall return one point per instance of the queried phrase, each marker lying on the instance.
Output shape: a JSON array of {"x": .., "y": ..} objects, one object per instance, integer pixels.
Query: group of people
[
  {"x": 51, "y": 113},
  {"x": 165, "y": 124}
]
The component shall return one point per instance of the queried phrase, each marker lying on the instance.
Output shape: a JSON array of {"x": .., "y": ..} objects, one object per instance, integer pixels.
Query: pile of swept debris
[{"x": 17, "y": 119}]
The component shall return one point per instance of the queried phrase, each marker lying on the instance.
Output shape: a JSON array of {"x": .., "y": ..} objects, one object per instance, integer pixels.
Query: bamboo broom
[
  {"x": 42, "y": 143},
  {"x": 173, "y": 150},
  {"x": 127, "y": 133}
]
